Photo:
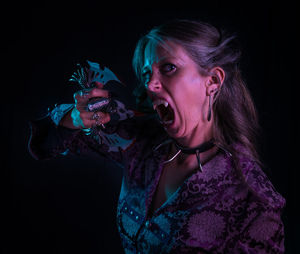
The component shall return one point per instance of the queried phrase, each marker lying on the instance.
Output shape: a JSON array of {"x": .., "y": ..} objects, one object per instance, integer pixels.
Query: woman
[{"x": 192, "y": 178}]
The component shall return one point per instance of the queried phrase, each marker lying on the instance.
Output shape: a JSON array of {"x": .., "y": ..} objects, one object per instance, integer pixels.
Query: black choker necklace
[
  {"x": 198, "y": 149},
  {"x": 186, "y": 150}
]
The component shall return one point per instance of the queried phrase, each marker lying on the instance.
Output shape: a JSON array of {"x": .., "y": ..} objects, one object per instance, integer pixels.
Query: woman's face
[{"x": 172, "y": 79}]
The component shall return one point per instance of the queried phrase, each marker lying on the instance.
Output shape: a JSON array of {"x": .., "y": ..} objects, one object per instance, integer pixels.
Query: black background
[{"x": 68, "y": 205}]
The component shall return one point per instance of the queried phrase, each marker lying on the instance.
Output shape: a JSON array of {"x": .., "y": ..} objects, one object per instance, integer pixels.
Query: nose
[{"x": 154, "y": 85}]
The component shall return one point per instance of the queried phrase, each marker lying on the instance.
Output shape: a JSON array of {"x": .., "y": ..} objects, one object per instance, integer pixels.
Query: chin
[{"x": 173, "y": 131}]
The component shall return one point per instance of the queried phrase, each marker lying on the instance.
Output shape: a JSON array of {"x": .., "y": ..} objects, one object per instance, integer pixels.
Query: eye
[{"x": 168, "y": 68}]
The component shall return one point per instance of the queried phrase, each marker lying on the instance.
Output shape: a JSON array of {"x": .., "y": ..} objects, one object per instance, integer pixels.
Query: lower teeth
[
  {"x": 165, "y": 115},
  {"x": 168, "y": 122}
]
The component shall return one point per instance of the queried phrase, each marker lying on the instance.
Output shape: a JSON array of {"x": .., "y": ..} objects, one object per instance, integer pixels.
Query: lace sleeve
[
  {"x": 263, "y": 234},
  {"x": 49, "y": 139}
]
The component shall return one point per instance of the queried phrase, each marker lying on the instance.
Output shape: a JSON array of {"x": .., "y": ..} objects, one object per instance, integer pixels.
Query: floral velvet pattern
[{"x": 214, "y": 211}]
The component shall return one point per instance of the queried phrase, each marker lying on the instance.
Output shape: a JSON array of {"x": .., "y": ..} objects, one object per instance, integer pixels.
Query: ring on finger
[{"x": 96, "y": 116}]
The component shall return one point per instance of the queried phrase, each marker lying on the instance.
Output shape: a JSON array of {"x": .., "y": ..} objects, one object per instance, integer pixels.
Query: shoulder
[
  {"x": 258, "y": 181},
  {"x": 262, "y": 228}
]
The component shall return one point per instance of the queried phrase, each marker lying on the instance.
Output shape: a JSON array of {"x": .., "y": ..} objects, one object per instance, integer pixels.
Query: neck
[
  {"x": 197, "y": 136},
  {"x": 193, "y": 149}
]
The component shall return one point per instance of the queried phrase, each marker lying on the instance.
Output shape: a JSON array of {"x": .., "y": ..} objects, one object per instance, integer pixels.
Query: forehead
[{"x": 156, "y": 52}]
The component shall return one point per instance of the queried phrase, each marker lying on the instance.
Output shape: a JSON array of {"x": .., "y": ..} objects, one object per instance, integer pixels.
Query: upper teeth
[{"x": 159, "y": 102}]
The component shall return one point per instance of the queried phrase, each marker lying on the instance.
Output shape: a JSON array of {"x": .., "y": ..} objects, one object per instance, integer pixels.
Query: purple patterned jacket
[{"x": 213, "y": 211}]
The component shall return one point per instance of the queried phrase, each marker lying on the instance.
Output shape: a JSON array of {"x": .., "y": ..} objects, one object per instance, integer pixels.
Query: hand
[{"x": 80, "y": 117}]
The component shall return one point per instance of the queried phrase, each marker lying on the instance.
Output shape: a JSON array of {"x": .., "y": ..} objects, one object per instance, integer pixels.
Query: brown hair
[{"x": 235, "y": 117}]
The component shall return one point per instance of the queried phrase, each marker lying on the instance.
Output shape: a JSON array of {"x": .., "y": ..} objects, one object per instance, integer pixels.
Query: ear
[{"x": 215, "y": 80}]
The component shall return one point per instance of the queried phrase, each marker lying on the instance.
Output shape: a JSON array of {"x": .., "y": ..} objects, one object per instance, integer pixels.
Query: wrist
[{"x": 59, "y": 114}]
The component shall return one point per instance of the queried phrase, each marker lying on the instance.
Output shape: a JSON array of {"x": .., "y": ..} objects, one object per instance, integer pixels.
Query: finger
[
  {"x": 100, "y": 118},
  {"x": 99, "y": 84},
  {"x": 93, "y": 119},
  {"x": 86, "y": 94},
  {"x": 86, "y": 115},
  {"x": 98, "y": 92},
  {"x": 88, "y": 123},
  {"x": 106, "y": 118},
  {"x": 82, "y": 96}
]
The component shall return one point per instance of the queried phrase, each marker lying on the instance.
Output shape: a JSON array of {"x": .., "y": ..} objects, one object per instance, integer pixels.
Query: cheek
[
  {"x": 190, "y": 104},
  {"x": 195, "y": 95},
  {"x": 188, "y": 93},
  {"x": 195, "y": 101},
  {"x": 196, "y": 108}
]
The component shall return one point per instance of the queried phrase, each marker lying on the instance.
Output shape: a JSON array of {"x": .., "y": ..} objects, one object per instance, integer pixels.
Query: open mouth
[{"x": 164, "y": 110}]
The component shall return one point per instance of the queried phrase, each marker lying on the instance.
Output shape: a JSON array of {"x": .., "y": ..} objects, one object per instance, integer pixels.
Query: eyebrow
[
  {"x": 147, "y": 67},
  {"x": 178, "y": 60},
  {"x": 163, "y": 59}
]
